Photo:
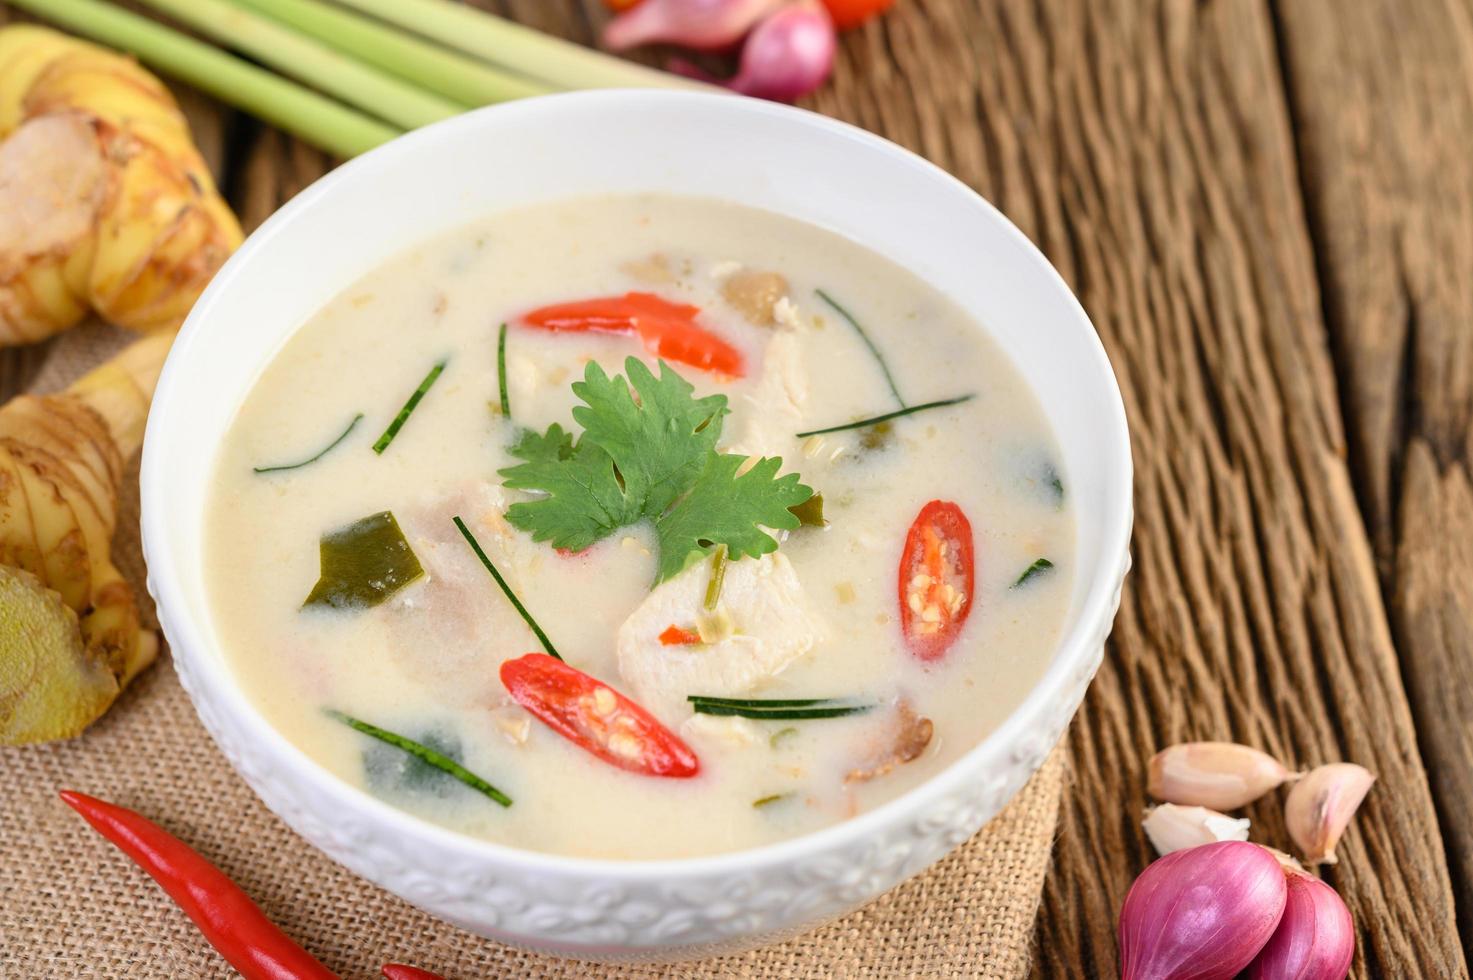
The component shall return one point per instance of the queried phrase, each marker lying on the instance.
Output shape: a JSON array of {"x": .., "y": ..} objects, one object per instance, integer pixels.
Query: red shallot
[
  {"x": 707, "y": 25},
  {"x": 1202, "y": 913},
  {"x": 788, "y": 55},
  {"x": 1315, "y": 939}
]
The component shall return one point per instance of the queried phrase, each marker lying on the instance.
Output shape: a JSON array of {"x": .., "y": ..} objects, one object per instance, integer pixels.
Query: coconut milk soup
[{"x": 762, "y": 630}]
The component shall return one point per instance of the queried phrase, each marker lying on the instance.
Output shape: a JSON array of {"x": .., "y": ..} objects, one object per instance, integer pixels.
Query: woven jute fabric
[{"x": 73, "y": 906}]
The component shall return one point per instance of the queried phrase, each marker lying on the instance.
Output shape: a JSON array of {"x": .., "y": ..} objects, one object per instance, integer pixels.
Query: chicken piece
[
  {"x": 904, "y": 739},
  {"x": 778, "y": 401},
  {"x": 772, "y": 626},
  {"x": 755, "y": 295}
]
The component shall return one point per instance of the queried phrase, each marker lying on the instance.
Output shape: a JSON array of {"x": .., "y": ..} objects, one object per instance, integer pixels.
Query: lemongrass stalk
[
  {"x": 318, "y": 120},
  {"x": 521, "y": 49},
  {"x": 320, "y": 66},
  {"x": 431, "y": 67}
]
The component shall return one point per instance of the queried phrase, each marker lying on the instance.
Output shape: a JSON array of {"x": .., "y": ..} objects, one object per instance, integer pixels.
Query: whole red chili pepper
[
  {"x": 398, "y": 971},
  {"x": 232, "y": 923}
]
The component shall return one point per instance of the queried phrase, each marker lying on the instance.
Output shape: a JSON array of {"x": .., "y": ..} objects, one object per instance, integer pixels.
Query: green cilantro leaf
[
  {"x": 534, "y": 447},
  {"x": 648, "y": 454},
  {"x": 661, "y": 443},
  {"x": 724, "y": 508},
  {"x": 585, "y": 500}
]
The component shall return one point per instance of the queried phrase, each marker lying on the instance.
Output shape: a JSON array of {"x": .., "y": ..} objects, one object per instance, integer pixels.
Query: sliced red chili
[
  {"x": 594, "y": 716},
  {"x": 231, "y": 922},
  {"x": 675, "y": 636},
  {"x": 666, "y": 329},
  {"x": 936, "y": 580}
]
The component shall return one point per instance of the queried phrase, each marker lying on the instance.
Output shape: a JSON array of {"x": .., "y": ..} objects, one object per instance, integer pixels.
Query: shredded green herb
[
  {"x": 777, "y": 738},
  {"x": 877, "y": 437},
  {"x": 788, "y": 709},
  {"x": 769, "y": 800},
  {"x": 718, "y": 576},
  {"x": 424, "y": 753},
  {"x": 408, "y": 409},
  {"x": 363, "y": 563},
  {"x": 1051, "y": 477},
  {"x": 876, "y": 420},
  {"x": 1037, "y": 568},
  {"x": 321, "y": 453},
  {"x": 879, "y": 358},
  {"x": 501, "y": 373},
  {"x": 506, "y": 590},
  {"x": 810, "y": 512}
]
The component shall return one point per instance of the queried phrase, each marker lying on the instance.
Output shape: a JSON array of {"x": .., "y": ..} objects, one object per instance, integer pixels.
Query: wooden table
[{"x": 1267, "y": 208}]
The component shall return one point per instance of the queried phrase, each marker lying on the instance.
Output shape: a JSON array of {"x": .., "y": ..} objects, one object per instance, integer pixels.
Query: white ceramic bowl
[{"x": 746, "y": 151}]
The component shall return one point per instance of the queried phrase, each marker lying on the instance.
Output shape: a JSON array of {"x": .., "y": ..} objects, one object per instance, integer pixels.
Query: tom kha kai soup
[{"x": 638, "y": 527}]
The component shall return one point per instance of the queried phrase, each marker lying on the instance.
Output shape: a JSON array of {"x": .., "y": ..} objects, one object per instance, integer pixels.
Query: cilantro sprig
[{"x": 649, "y": 454}]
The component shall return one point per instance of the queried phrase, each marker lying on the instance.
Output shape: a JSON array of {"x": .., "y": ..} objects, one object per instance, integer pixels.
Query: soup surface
[{"x": 705, "y": 589}]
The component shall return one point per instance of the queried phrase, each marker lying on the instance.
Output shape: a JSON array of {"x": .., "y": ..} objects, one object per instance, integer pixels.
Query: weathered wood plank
[
  {"x": 1390, "y": 197},
  {"x": 1147, "y": 147}
]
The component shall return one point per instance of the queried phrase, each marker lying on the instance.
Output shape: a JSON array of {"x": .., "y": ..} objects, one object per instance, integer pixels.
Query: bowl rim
[{"x": 1071, "y": 652}]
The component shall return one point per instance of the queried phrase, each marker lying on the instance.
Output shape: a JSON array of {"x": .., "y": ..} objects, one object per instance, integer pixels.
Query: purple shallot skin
[{"x": 1202, "y": 913}]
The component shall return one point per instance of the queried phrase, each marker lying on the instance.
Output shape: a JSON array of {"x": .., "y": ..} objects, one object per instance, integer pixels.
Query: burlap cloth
[{"x": 72, "y": 906}]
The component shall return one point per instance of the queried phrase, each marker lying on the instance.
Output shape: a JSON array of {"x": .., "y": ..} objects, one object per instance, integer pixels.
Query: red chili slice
[
  {"x": 596, "y": 717},
  {"x": 937, "y": 576},
  {"x": 666, "y": 329},
  {"x": 675, "y": 636}
]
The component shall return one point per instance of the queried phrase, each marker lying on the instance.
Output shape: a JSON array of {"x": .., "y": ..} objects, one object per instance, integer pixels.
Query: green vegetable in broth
[
  {"x": 777, "y": 709},
  {"x": 424, "y": 753},
  {"x": 810, "y": 512},
  {"x": 390, "y": 769},
  {"x": 878, "y": 419},
  {"x": 718, "y": 576},
  {"x": 1039, "y": 567},
  {"x": 770, "y": 800},
  {"x": 651, "y": 457},
  {"x": 506, "y": 590},
  {"x": 363, "y": 564},
  {"x": 408, "y": 409},
  {"x": 321, "y": 453},
  {"x": 501, "y": 373},
  {"x": 879, "y": 358}
]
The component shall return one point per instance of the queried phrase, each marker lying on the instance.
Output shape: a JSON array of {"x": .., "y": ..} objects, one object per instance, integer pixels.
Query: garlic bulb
[
  {"x": 1220, "y": 775},
  {"x": 1174, "y": 828},
  {"x": 1320, "y": 806}
]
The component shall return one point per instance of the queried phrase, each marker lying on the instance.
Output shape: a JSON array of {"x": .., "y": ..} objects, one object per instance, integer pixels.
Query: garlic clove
[
  {"x": 1315, "y": 939},
  {"x": 1220, "y": 775},
  {"x": 1202, "y": 913},
  {"x": 1174, "y": 828},
  {"x": 1320, "y": 806},
  {"x": 1287, "y": 861}
]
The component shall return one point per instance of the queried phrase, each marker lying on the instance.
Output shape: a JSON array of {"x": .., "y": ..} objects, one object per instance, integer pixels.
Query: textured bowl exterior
[
  {"x": 599, "y": 916},
  {"x": 601, "y": 909}
]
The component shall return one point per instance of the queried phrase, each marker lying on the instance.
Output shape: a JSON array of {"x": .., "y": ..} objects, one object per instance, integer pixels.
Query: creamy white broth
[{"x": 425, "y": 662}]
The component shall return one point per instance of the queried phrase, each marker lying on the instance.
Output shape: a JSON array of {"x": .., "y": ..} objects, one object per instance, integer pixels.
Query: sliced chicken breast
[{"x": 761, "y": 625}]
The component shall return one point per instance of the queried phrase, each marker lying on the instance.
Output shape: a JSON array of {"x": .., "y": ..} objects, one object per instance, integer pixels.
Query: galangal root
[
  {"x": 105, "y": 204},
  {"x": 70, "y": 637}
]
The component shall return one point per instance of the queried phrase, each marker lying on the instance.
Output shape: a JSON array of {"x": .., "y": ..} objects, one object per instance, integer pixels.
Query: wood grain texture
[
  {"x": 1389, "y": 193},
  {"x": 1199, "y": 170}
]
